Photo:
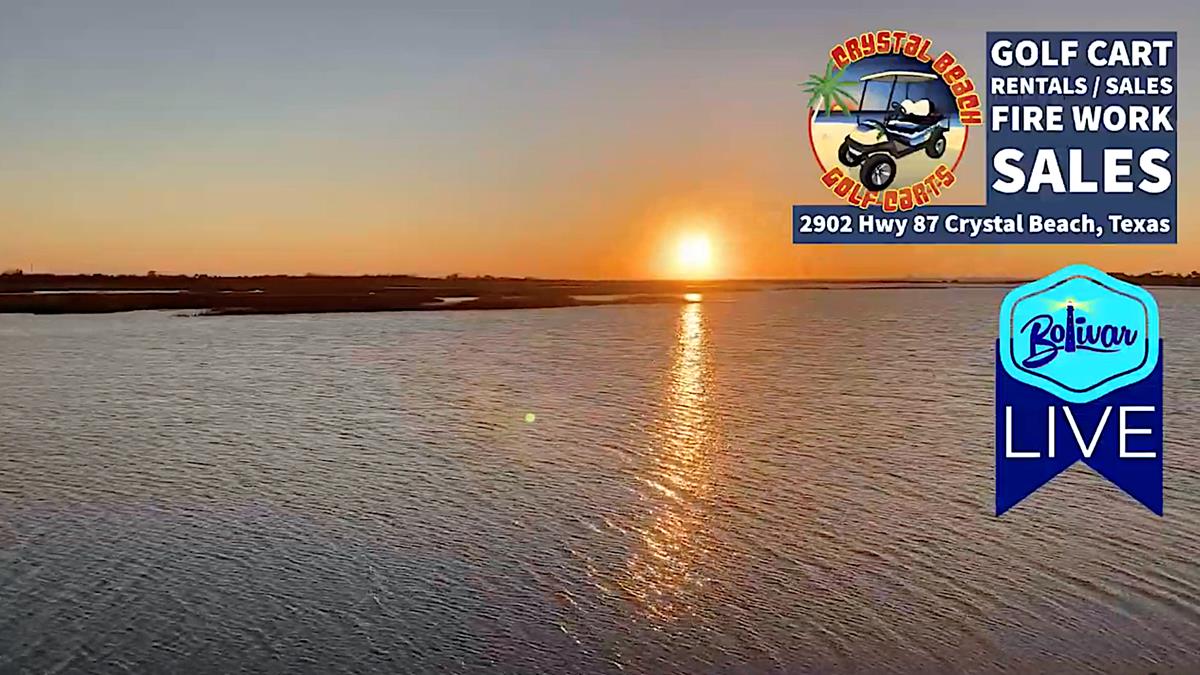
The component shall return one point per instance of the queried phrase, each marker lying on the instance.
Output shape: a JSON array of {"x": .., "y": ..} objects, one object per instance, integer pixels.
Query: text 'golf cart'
[{"x": 907, "y": 126}]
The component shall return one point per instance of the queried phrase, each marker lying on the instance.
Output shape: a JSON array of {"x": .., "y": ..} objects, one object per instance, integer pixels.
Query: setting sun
[{"x": 694, "y": 256}]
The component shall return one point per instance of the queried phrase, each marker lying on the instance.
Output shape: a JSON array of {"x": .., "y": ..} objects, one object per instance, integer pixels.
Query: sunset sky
[{"x": 552, "y": 139}]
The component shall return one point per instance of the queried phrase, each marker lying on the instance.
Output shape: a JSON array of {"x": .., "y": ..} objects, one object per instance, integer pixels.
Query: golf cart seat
[
  {"x": 910, "y": 120},
  {"x": 920, "y": 112}
]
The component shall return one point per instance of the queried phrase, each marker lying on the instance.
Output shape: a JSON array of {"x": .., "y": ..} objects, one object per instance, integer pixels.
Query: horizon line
[{"x": 17, "y": 273}]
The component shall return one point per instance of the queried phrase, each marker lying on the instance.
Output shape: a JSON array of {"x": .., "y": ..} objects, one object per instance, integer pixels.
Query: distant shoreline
[{"x": 235, "y": 296}]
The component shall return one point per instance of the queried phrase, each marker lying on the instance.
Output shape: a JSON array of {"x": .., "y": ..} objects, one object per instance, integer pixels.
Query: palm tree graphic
[{"x": 829, "y": 89}]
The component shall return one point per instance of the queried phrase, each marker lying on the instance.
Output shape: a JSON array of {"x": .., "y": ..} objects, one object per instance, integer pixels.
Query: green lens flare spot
[{"x": 530, "y": 418}]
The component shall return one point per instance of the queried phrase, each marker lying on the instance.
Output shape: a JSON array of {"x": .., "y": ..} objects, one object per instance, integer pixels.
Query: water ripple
[{"x": 777, "y": 482}]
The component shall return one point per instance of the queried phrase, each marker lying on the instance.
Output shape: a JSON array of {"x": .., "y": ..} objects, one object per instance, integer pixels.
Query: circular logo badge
[{"x": 883, "y": 117}]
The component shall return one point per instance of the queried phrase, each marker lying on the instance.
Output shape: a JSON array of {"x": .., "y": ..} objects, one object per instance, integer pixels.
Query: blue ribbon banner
[{"x": 1079, "y": 376}]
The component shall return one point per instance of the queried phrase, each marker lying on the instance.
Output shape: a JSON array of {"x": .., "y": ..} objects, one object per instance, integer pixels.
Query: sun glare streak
[{"x": 662, "y": 576}]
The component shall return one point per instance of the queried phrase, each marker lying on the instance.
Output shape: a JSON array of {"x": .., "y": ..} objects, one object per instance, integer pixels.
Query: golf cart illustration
[{"x": 907, "y": 126}]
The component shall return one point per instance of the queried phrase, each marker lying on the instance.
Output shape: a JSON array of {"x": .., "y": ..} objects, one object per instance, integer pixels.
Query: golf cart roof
[{"x": 900, "y": 75}]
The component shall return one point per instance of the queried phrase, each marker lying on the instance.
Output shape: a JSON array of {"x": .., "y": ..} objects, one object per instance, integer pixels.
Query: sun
[{"x": 694, "y": 255}]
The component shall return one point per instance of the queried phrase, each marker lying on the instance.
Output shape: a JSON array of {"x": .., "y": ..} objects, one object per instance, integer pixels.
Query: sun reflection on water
[{"x": 662, "y": 574}]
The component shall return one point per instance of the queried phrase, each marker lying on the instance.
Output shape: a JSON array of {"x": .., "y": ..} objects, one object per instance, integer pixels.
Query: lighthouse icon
[{"x": 1069, "y": 338}]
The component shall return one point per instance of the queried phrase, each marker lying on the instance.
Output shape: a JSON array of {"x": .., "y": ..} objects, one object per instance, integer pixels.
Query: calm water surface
[{"x": 792, "y": 481}]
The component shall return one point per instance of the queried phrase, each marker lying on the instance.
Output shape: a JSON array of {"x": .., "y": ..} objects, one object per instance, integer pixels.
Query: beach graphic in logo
[{"x": 1079, "y": 377}]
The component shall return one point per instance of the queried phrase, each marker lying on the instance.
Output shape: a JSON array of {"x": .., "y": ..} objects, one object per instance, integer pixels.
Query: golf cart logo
[
  {"x": 888, "y": 122},
  {"x": 1079, "y": 333}
]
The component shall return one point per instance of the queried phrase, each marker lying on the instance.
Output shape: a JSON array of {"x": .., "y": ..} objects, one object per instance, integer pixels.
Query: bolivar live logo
[{"x": 1079, "y": 377}]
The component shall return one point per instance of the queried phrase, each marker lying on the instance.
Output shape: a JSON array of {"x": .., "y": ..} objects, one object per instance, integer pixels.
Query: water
[{"x": 794, "y": 481}]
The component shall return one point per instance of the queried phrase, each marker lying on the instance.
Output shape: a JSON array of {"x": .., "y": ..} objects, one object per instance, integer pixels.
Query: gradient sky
[{"x": 509, "y": 138}]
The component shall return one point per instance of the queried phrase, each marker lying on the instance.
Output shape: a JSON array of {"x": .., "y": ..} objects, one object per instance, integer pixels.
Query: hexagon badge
[{"x": 1079, "y": 334}]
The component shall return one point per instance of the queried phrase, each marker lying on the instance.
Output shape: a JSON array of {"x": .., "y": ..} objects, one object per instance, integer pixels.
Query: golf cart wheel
[
  {"x": 937, "y": 145},
  {"x": 846, "y": 158},
  {"x": 878, "y": 172}
]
